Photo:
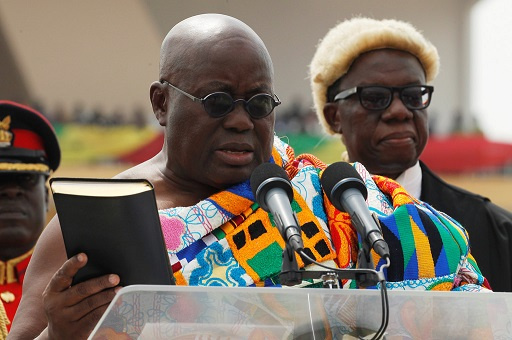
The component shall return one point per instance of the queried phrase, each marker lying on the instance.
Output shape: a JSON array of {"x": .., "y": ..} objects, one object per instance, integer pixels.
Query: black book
[{"x": 115, "y": 222}]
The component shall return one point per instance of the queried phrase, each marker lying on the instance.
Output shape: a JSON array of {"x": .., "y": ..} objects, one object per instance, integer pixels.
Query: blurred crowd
[
  {"x": 82, "y": 114},
  {"x": 294, "y": 118}
]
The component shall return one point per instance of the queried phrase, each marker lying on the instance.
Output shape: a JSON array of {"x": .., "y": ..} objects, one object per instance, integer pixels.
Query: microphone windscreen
[
  {"x": 268, "y": 176},
  {"x": 263, "y": 172},
  {"x": 340, "y": 176}
]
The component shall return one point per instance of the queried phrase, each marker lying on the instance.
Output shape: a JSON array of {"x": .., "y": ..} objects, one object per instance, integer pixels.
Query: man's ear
[
  {"x": 332, "y": 117},
  {"x": 46, "y": 197},
  {"x": 158, "y": 97}
]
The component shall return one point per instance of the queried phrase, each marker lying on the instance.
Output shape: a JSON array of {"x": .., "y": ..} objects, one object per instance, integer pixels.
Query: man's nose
[
  {"x": 239, "y": 118},
  {"x": 10, "y": 189},
  {"x": 397, "y": 109}
]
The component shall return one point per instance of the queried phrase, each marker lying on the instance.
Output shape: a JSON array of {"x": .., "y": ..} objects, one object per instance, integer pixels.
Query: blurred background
[{"x": 88, "y": 65}]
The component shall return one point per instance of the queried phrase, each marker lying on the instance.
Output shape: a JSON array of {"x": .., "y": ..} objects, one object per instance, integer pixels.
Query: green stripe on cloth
[
  {"x": 453, "y": 250},
  {"x": 403, "y": 223},
  {"x": 268, "y": 261}
]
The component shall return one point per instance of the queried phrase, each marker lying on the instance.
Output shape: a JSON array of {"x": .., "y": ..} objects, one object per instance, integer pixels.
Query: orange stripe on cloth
[
  {"x": 233, "y": 203},
  {"x": 426, "y": 267},
  {"x": 251, "y": 238},
  {"x": 233, "y": 223},
  {"x": 344, "y": 236},
  {"x": 257, "y": 243},
  {"x": 391, "y": 188}
]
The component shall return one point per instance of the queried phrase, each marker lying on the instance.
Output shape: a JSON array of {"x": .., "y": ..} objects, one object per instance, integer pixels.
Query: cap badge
[{"x": 5, "y": 134}]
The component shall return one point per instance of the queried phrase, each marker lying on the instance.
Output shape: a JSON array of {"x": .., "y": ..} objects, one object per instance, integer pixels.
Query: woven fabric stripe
[
  {"x": 258, "y": 245},
  {"x": 436, "y": 246},
  {"x": 458, "y": 231},
  {"x": 431, "y": 243},
  {"x": 343, "y": 236},
  {"x": 396, "y": 271},
  {"x": 403, "y": 227},
  {"x": 423, "y": 251},
  {"x": 451, "y": 240},
  {"x": 233, "y": 202}
]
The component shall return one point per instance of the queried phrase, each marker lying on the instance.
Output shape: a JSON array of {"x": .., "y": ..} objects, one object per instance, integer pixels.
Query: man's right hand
[{"x": 74, "y": 311}]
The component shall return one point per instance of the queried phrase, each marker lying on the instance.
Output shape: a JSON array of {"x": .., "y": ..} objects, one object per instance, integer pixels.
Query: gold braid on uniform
[{"x": 4, "y": 321}]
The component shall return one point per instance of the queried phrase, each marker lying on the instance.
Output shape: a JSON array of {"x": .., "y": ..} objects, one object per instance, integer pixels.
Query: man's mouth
[
  {"x": 236, "y": 155},
  {"x": 399, "y": 139},
  {"x": 12, "y": 212}
]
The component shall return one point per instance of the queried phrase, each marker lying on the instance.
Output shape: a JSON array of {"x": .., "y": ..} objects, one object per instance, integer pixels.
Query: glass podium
[{"x": 176, "y": 312}]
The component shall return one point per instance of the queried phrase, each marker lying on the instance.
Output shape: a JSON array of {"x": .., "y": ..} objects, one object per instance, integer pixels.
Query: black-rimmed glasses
[
  {"x": 219, "y": 104},
  {"x": 414, "y": 97}
]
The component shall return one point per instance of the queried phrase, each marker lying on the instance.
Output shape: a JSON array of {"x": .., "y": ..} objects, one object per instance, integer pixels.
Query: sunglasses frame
[
  {"x": 233, "y": 101},
  {"x": 358, "y": 89}
]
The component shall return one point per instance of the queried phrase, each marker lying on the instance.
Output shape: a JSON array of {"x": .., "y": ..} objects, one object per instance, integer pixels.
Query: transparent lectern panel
[{"x": 174, "y": 312}]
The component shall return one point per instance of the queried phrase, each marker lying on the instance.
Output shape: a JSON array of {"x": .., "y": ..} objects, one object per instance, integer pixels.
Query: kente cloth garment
[
  {"x": 227, "y": 240},
  {"x": 489, "y": 226},
  {"x": 12, "y": 274},
  {"x": 429, "y": 249}
]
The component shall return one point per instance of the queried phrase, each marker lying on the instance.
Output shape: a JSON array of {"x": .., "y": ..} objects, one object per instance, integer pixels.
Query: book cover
[{"x": 115, "y": 222}]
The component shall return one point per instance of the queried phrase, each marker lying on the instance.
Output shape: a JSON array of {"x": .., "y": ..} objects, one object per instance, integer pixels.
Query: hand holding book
[{"x": 115, "y": 222}]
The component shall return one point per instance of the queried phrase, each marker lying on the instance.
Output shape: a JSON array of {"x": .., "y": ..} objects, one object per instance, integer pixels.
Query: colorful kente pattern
[
  {"x": 429, "y": 249},
  {"x": 227, "y": 240}
]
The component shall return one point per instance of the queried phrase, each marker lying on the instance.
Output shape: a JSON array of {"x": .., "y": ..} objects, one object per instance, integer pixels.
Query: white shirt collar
[{"x": 410, "y": 179}]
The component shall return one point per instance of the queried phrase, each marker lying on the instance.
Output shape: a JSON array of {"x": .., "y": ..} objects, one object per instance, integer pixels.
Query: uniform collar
[{"x": 13, "y": 270}]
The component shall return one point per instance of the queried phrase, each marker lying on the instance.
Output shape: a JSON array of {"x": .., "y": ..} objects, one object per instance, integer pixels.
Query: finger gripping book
[{"x": 116, "y": 223}]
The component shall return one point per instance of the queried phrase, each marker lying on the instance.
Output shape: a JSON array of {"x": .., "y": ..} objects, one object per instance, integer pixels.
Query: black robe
[{"x": 488, "y": 225}]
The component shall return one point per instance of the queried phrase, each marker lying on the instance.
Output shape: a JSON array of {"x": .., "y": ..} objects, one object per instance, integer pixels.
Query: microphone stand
[
  {"x": 365, "y": 261},
  {"x": 291, "y": 274},
  {"x": 364, "y": 275}
]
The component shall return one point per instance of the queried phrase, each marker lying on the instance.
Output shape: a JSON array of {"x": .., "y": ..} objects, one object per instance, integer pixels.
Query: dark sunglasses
[
  {"x": 219, "y": 104},
  {"x": 414, "y": 97},
  {"x": 23, "y": 180}
]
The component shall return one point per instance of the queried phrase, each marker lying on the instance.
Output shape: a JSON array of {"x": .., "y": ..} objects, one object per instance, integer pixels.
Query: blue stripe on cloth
[
  {"x": 411, "y": 271},
  {"x": 413, "y": 212},
  {"x": 436, "y": 245},
  {"x": 269, "y": 282},
  {"x": 191, "y": 251},
  {"x": 243, "y": 189},
  {"x": 390, "y": 223},
  {"x": 441, "y": 265},
  {"x": 389, "y": 230}
]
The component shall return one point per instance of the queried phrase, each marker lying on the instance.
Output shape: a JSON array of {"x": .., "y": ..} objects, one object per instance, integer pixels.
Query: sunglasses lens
[
  {"x": 416, "y": 97},
  {"x": 260, "y": 105},
  {"x": 218, "y": 104},
  {"x": 375, "y": 98}
]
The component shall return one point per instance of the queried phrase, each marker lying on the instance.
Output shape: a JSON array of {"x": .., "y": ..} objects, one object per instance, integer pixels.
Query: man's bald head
[
  {"x": 197, "y": 35},
  {"x": 201, "y": 56}
]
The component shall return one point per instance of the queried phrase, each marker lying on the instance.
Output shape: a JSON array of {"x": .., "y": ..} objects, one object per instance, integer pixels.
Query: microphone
[
  {"x": 347, "y": 192},
  {"x": 273, "y": 192}
]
